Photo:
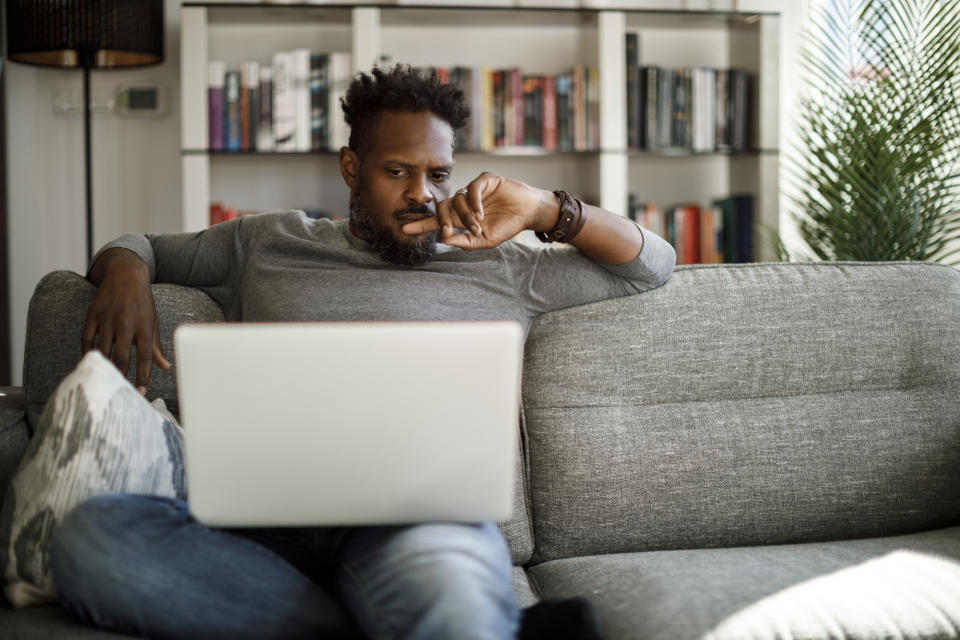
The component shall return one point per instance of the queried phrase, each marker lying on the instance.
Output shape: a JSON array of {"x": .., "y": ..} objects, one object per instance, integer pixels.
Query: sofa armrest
[{"x": 14, "y": 432}]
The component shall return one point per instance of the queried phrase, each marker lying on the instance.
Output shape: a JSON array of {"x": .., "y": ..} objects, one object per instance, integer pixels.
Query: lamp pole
[{"x": 87, "y": 162}]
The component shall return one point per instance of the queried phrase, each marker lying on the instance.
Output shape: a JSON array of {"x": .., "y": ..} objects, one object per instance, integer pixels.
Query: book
[
  {"x": 549, "y": 113},
  {"x": 301, "y": 98},
  {"x": 739, "y": 100},
  {"x": 284, "y": 106},
  {"x": 564, "y": 89},
  {"x": 249, "y": 104},
  {"x": 633, "y": 91},
  {"x": 231, "y": 102},
  {"x": 319, "y": 99},
  {"x": 265, "y": 131},
  {"x": 216, "y": 71},
  {"x": 533, "y": 111}
]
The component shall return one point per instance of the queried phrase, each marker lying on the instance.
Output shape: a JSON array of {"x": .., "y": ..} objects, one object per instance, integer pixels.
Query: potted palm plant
[{"x": 880, "y": 131}]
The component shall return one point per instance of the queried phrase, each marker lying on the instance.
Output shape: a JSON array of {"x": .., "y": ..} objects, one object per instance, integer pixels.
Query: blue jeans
[{"x": 142, "y": 565}]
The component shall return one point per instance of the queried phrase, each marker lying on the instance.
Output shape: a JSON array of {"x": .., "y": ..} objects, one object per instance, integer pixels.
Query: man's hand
[
  {"x": 122, "y": 314},
  {"x": 492, "y": 209}
]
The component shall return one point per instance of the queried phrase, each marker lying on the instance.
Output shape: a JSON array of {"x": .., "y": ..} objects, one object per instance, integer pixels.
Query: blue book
[{"x": 231, "y": 111}]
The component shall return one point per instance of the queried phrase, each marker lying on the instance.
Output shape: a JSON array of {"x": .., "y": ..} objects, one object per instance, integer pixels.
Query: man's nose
[{"x": 418, "y": 190}]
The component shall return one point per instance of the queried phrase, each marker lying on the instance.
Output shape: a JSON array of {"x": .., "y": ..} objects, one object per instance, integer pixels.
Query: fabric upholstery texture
[
  {"x": 813, "y": 401},
  {"x": 54, "y": 324},
  {"x": 55, "y": 321},
  {"x": 897, "y": 588},
  {"x": 96, "y": 436}
]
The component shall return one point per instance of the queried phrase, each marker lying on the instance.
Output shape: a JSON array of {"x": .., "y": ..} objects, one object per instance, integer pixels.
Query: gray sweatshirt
[{"x": 286, "y": 267}]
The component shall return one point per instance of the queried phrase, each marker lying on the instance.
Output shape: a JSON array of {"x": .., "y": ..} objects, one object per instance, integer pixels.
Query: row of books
[
  {"x": 512, "y": 109},
  {"x": 699, "y": 109},
  {"x": 290, "y": 104},
  {"x": 717, "y": 233}
]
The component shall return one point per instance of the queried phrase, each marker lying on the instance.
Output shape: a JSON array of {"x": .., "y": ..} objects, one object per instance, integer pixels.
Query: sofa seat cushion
[{"x": 894, "y": 587}]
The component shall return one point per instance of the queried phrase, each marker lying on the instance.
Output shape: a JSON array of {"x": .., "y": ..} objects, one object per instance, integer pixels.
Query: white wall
[{"x": 136, "y": 172}]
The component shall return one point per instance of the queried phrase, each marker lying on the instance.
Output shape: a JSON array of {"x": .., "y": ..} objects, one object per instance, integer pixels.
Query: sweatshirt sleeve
[
  {"x": 557, "y": 278},
  {"x": 211, "y": 259}
]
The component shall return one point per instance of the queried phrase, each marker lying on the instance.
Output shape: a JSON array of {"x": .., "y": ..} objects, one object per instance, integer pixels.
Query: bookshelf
[{"x": 539, "y": 39}]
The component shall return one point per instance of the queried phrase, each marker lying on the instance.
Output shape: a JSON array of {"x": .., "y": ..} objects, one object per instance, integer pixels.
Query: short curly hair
[{"x": 401, "y": 88}]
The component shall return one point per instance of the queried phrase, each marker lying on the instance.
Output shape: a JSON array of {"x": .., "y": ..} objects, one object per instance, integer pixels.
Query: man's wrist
[{"x": 548, "y": 212}]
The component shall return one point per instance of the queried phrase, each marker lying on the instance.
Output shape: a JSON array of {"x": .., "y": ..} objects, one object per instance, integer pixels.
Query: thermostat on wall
[{"x": 141, "y": 101}]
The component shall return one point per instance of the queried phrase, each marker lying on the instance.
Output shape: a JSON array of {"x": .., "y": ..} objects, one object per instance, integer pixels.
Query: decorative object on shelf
[
  {"x": 90, "y": 35},
  {"x": 880, "y": 131}
]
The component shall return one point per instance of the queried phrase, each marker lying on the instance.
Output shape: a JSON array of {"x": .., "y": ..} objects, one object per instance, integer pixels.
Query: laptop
[{"x": 327, "y": 424}]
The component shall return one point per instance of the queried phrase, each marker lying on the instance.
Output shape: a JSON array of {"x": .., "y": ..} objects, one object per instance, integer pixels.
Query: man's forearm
[
  {"x": 113, "y": 258},
  {"x": 605, "y": 237}
]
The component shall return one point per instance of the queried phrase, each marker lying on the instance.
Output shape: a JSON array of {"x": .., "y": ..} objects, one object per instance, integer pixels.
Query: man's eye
[
  {"x": 441, "y": 177},
  {"x": 396, "y": 173}
]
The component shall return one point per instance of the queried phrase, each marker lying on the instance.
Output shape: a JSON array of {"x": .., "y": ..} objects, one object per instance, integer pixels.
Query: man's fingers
[
  {"x": 144, "y": 361},
  {"x": 421, "y": 226},
  {"x": 121, "y": 351}
]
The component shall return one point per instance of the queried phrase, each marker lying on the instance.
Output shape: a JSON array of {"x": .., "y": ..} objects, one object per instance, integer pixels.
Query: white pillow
[{"x": 97, "y": 435}]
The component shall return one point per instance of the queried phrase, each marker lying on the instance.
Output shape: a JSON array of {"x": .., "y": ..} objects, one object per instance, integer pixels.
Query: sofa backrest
[
  {"x": 747, "y": 405},
  {"x": 54, "y": 323},
  {"x": 55, "y": 320}
]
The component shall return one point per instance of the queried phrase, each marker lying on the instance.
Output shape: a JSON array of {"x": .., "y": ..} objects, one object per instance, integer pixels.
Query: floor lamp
[{"x": 85, "y": 34}]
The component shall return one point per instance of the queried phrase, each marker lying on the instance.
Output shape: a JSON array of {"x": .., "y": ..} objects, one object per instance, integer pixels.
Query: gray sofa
[{"x": 750, "y": 451}]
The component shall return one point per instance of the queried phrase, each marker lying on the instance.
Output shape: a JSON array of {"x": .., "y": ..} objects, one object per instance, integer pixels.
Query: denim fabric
[{"x": 141, "y": 565}]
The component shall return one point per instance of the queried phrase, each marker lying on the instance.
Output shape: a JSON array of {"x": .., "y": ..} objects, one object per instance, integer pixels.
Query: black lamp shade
[{"x": 97, "y": 34}]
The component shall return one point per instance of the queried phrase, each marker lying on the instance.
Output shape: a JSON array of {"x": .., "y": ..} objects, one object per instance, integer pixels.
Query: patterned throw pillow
[{"x": 97, "y": 435}]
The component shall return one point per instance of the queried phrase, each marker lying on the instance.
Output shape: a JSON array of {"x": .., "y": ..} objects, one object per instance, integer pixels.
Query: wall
[{"x": 136, "y": 172}]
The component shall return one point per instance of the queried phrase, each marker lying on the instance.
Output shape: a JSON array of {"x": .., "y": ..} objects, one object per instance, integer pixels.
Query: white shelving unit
[{"x": 540, "y": 40}]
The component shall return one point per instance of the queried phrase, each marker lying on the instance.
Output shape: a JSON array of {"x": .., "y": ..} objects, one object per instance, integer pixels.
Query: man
[{"x": 409, "y": 252}]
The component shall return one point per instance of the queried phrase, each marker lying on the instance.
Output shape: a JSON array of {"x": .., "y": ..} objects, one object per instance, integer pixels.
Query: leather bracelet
[{"x": 572, "y": 217}]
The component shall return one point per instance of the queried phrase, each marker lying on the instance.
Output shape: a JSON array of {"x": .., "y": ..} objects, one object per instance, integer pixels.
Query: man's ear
[{"x": 349, "y": 166}]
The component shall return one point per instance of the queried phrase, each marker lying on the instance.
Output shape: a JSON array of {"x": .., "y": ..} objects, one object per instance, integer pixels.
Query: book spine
[
  {"x": 250, "y": 86},
  {"x": 665, "y": 87},
  {"x": 691, "y": 229},
  {"x": 578, "y": 98},
  {"x": 231, "y": 103},
  {"x": 743, "y": 206},
  {"x": 740, "y": 80},
  {"x": 593, "y": 108},
  {"x": 549, "y": 114},
  {"x": 265, "y": 131},
  {"x": 723, "y": 110},
  {"x": 284, "y": 108},
  {"x": 215, "y": 104},
  {"x": 301, "y": 93},
  {"x": 633, "y": 91},
  {"x": 650, "y": 106},
  {"x": 499, "y": 131},
  {"x": 564, "y": 86},
  {"x": 319, "y": 100},
  {"x": 516, "y": 92},
  {"x": 489, "y": 110}
]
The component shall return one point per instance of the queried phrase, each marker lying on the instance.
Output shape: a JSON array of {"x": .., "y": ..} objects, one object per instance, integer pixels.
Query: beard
[{"x": 412, "y": 251}]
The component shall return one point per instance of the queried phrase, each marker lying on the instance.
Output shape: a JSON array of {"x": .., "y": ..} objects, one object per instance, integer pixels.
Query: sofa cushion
[
  {"x": 897, "y": 588},
  {"x": 55, "y": 322},
  {"x": 47, "y": 622},
  {"x": 14, "y": 434},
  {"x": 96, "y": 436},
  {"x": 747, "y": 404}
]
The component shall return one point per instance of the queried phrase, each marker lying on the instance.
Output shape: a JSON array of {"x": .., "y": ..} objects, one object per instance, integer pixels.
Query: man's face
[{"x": 402, "y": 176}]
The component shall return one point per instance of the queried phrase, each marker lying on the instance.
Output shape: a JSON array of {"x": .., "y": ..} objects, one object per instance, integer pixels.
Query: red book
[
  {"x": 216, "y": 213},
  {"x": 691, "y": 233},
  {"x": 550, "y": 113}
]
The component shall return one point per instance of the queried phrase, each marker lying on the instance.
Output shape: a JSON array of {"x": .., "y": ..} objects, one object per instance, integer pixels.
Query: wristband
[{"x": 572, "y": 217}]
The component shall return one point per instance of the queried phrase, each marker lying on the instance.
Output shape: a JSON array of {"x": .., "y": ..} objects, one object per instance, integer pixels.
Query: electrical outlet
[{"x": 68, "y": 100}]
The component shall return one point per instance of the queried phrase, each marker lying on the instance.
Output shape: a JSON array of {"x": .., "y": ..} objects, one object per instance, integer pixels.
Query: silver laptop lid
[{"x": 349, "y": 423}]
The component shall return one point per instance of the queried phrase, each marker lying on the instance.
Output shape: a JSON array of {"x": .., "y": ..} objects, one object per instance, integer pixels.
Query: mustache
[{"x": 420, "y": 210}]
